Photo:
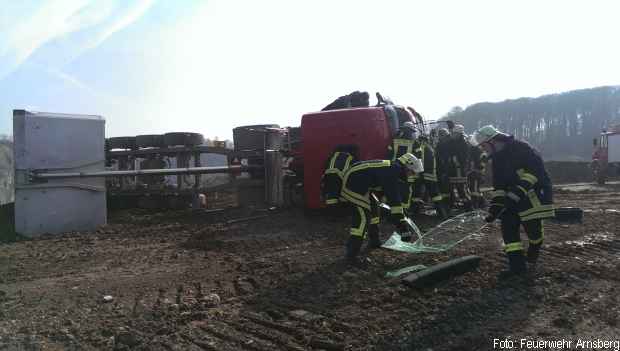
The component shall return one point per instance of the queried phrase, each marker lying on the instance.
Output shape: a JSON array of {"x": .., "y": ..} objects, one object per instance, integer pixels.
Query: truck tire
[
  {"x": 250, "y": 137},
  {"x": 569, "y": 215},
  {"x": 150, "y": 140},
  {"x": 122, "y": 143},
  {"x": 185, "y": 139}
]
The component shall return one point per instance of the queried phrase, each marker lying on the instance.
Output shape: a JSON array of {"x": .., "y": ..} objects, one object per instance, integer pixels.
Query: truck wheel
[
  {"x": 122, "y": 143},
  {"x": 569, "y": 214},
  {"x": 185, "y": 139},
  {"x": 150, "y": 140},
  {"x": 251, "y": 137}
]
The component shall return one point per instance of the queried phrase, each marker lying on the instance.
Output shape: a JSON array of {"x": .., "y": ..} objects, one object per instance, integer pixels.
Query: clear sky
[{"x": 155, "y": 66}]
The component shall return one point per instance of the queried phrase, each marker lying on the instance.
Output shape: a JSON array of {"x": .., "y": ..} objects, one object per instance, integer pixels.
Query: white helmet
[
  {"x": 408, "y": 125},
  {"x": 415, "y": 134},
  {"x": 458, "y": 129},
  {"x": 443, "y": 132},
  {"x": 411, "y": 162},
  {"x": 484, "y": 135}
]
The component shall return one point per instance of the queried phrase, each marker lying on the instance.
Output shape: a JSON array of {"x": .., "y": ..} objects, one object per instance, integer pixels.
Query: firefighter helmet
[
  {"x": 415, "y": 134},
  {"x": 458, "y": 129},
  {"x": 443, "y": 132},
  {"x": 411, "y": 162},
  {"x": 484, "y": 135},
  {"x": 408, "y": 125}
]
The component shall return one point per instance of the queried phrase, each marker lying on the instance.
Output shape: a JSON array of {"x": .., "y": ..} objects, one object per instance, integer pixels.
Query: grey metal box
[{"x": 58, "y": 143}]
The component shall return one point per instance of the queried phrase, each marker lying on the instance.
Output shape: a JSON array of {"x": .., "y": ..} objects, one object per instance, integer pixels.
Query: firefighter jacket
[
  {"x": 442, "y": 155},
  {"x": 477, "y": 160},
  {"x": 401, "y": 145},
  {"x": 331, "y": 183},
  {"x": 424, "y": 151},
  {"x": 520, "y": 182},
  {"x": 365, "y": 177},
  {"x": 458, "y": 159}
]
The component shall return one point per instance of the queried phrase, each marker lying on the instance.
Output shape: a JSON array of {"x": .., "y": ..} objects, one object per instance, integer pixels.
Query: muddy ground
[{"x": 197, "y": 281}]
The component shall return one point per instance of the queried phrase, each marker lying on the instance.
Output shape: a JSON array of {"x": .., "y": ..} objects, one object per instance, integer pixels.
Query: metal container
[{"x": 56, "y": 142}]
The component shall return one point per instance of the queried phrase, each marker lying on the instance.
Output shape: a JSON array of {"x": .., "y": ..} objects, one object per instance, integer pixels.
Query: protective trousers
[
  {"x": 444, "y": 192},
  {"x": 474, "y": 179},
  {"x": 407, "y": 191},
  {"x": 513, "y": 246},
  {"x": 417, "y": 196},
  {"x": 460, "y": 185},
  {"x": 364, "y": 221},
  {"x": 432, "y": 190}
]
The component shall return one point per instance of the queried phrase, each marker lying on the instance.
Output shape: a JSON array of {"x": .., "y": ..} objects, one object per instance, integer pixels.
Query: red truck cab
[{"x": 371, "y": 129}]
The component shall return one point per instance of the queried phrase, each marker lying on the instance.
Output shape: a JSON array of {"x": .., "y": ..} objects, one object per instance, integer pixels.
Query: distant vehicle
[{"x": 606, "y": 155}]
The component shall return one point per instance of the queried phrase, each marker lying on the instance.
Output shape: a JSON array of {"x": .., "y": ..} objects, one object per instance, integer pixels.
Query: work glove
[
  {"x": 494, "y": 212},
  {"x": 396, "y": 218}
]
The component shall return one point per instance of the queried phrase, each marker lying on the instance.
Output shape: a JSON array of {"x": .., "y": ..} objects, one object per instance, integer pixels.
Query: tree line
[{"x": 562, "y": 126}]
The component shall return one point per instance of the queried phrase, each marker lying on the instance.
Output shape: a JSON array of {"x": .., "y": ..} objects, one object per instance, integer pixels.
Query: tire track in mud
[
  {"x": 431, "y": 315},
  {"x": 270, "y": 281},
  {"x": 251, "y": 331}
]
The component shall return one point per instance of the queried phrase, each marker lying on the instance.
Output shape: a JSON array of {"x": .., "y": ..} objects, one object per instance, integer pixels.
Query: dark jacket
[
  {"x": 425, "y": 152},
  {"x": 331, "y": 182},
  {"x": 374, "y": 175},
  {"x": 521, "y": 182},
  {"x": 458, "y": 157}
]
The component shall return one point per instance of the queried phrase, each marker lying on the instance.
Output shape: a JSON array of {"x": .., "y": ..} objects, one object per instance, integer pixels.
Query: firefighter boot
[
  {"x": 353, "y": 246},
  {"x": 373, "y": 237},
  {"x": 533, "y": 251},
  {"x": 445, "y": 203},
  {"x": 516, "y": 266},
  {"x": 414, "y": 209},
  {"x": 467, "y": 204},
  {"x": 475, "y": 202},
  {"x": 441, "y": 210}
]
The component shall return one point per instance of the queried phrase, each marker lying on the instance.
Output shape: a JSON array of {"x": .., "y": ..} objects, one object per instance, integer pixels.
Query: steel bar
[{"x": 165, "y": 171}]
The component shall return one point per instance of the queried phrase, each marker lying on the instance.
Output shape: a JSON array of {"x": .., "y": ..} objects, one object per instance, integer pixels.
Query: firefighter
[
  {"x": 366, "y": 177},
  {"x": 403, "y": 144},
  {"x": 339, "y": 161},
  {"x": 522, "y": 195},
  {"x": 426, "y": 182},
  {"x": 442, "y": 155},
  {"x": 458, "y": 164},
  {"x": 475, "y": 176}
]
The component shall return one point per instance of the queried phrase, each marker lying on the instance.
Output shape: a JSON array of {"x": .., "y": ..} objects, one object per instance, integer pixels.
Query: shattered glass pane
[{"x": 443, "y": 237}]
